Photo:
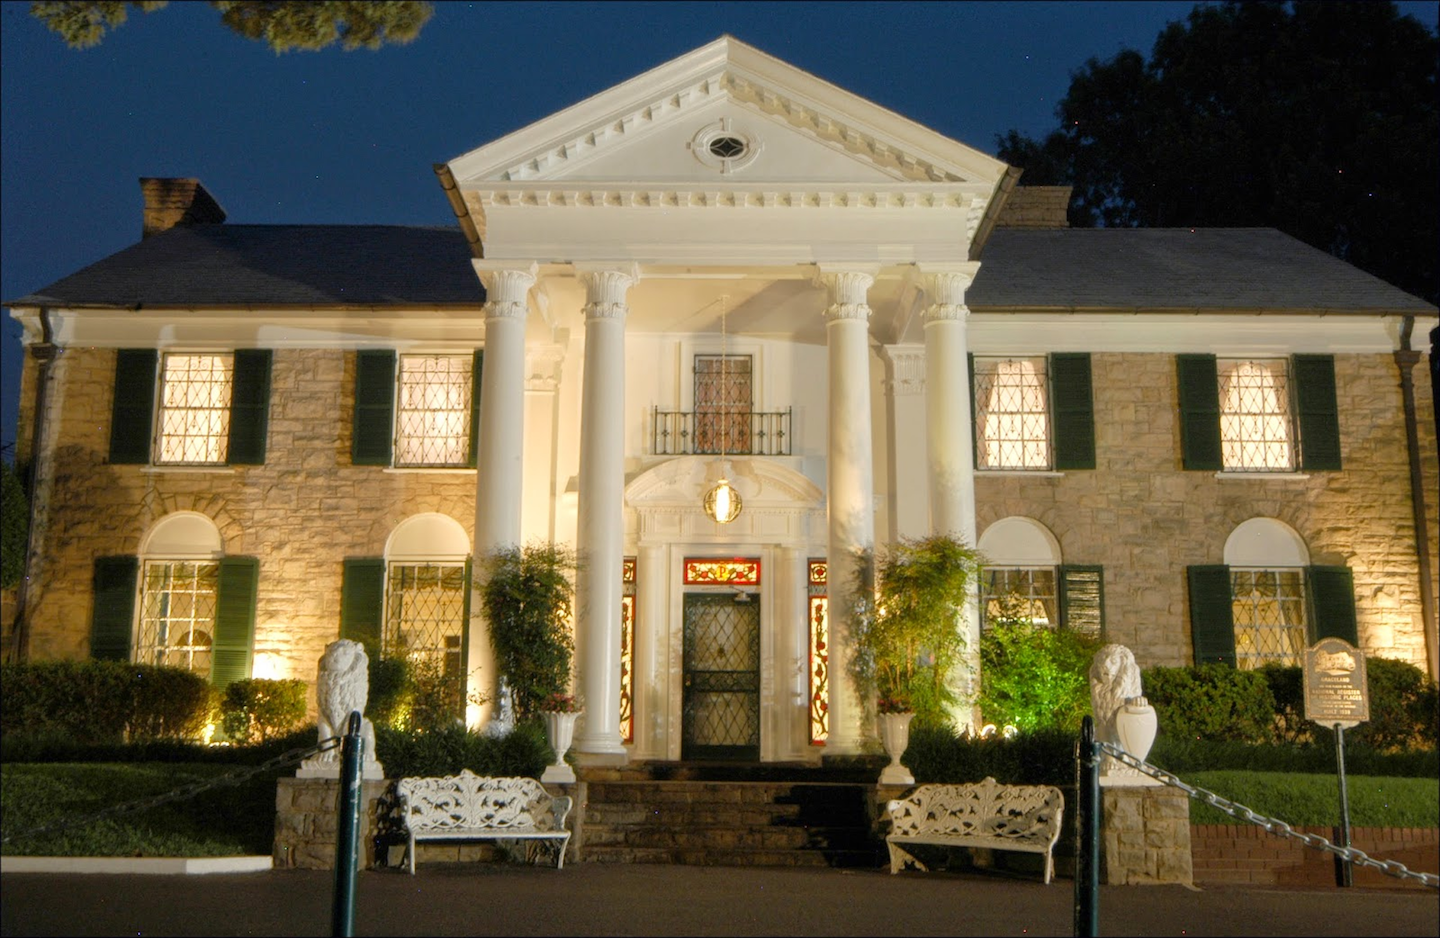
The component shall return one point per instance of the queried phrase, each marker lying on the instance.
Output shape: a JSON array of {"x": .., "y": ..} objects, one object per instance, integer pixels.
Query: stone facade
[{"x": 1145, "y": 836}]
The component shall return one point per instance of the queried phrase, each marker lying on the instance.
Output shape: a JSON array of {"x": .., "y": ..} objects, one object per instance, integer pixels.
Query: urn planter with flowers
[
  {"x": 895, "y": 717},
  {"x": 559, "y": 711}
]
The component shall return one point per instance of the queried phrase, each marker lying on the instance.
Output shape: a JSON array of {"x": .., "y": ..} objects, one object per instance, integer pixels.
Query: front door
[{"x": 721, "y": 706}]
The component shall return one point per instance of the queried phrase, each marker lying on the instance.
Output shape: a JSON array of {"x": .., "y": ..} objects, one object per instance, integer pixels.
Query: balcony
[{"x": 706, "y": 433}]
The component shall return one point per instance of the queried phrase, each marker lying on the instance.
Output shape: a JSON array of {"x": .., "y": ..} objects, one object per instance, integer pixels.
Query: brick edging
[{"x": 1245, "y": 854}]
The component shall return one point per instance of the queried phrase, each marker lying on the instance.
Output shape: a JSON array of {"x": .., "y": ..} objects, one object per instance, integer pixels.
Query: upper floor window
[
  {"x": 416, "y": 410},
  {"x": 1033, "y": 412},
  {"x": 190, "y": 408},
  {"x": 1255, "y": 425},
  {"x": 724, "y": 399}
]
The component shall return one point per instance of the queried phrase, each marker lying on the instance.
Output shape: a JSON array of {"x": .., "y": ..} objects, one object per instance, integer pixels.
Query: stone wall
[{"x": 1145, "y": 836}]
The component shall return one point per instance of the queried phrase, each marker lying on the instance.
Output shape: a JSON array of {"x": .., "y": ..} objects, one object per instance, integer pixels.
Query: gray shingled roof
[
  {"x": 1173, "y": 268},
  {"x": 277, "y": 265},
  {"x": 389, "y": 265}
]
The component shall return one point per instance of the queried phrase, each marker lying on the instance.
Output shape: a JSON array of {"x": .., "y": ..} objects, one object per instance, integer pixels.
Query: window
[
  {"x": 1018, "y": 594},
  {"x": 1024, "y": 580},
  {"x": 177, "y": 615},
  {"x": 1258, "y": 414},
  {"x": 724, "y": 399},
  {"x": 416, "y": 411},
  {"x": 190, "y": 408},
  {"x": 1266, "y": 604},
  {"x": 425, "y": 616},
  {"x": 1033, "y": 412},
  {"x": 1255, "y": 426}
]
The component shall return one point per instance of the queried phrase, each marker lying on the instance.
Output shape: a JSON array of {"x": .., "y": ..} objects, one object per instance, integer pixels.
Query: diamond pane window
[
  {"x": 177, "y": 615},
  {"x": 1024, "y": 594},
  {"x": 724, "y": 398},
  {"x": 1256, "y": 431},
  {"x": 1012, "y": 419},
  {"x": 1268, "y": 607},
  {"x": 425, "y": 617},
  {"x": 194, "y": 418},
  {"x": 433, "y": 410}
]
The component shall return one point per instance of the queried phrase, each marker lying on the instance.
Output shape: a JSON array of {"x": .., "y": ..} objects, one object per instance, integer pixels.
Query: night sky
[{"x": 350, "y": 137}]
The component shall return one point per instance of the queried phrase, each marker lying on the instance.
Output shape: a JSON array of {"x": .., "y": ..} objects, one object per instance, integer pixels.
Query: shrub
[
  {"x": 527, "y": 598},
  {"x": 1043, "y": 757},
  {"x": 1402, "y": 707},
  {"x": 100, "y": 702},
  {"x": 257, "y": 709},
  {"x": 1211, "y": 701},
  {"x": 1287, "y": 687},
  {"x": 417, "y": 696},
  {"x": 447, "y": 750},
  {"x": 1034, "y": 677}
]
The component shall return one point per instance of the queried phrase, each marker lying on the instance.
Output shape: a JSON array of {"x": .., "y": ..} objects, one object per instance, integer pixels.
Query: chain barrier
[
  {"x": 1272, "y": 825},
  {"x": 290, "y": 757}
]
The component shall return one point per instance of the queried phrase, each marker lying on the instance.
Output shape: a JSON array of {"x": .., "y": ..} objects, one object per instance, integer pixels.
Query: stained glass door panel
[{"x": 721, "y": 703}]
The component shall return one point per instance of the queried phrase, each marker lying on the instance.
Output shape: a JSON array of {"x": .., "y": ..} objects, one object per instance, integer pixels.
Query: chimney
[
  {"x": 1036, "y": 207},
  {"x": 171, "y": 202}
]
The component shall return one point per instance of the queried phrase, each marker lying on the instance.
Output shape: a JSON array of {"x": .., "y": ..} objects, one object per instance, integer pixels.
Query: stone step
[{"x": 710, "y": 856}]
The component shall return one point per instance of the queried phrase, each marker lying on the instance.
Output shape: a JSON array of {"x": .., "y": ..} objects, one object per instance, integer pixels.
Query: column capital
[
  {"x": 907, "y": 368},
  {"x": 507, "y": 286},
  {"x": 848, "y": 286},
  {"x": 606, "y": 286},
  {"x": 542, "y": 367},
  {"x": 946, "y": 285}
]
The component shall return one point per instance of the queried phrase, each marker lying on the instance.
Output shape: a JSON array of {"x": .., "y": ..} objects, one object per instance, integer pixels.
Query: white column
[
  {"x": 652, "y": 689},
  {"x": 500, "y": 451},
  {"x": 600, "y": 525},
  {"x": 542, "y": 381},
  {"x": 850, "y": 488},
  {"x": 909, "y": 480},
  {"x": 949, "y": 437}
]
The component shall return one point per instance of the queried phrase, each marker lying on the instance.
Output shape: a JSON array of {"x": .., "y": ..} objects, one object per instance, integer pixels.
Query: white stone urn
[
  {"x": 560, "y": 731},
  {"x": 895, "y": 737},
  {"x": 1135, "y": 725}
]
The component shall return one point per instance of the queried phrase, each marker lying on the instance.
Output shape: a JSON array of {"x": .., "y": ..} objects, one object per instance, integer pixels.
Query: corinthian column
[
  {"x": 949, "y": 436},
  {"x": 500, "y": 452},
  {"x": 850, "y": 486},
  {"x": 600, "y": 523}
]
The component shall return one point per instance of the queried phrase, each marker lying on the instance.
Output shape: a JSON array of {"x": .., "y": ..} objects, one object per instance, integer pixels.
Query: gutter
[
  {"x": 44, "y": 352},
  {"x": 462, "y": 211},
  {"x": 1405, "y": 360},
  {"x": 992, "y": 211}
]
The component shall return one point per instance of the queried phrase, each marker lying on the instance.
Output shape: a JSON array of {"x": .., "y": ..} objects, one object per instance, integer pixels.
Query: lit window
[
  {"x": 724, "y": 398},
  {"x": 195, "y": 409},
  {"x": 1268, "y": 607},
  {"x": 433, "y": 410},
  {"x": 425, "y": 621},
  {"x": 177, "y": 618},
  {"x": 1010, "y": 595},
  {"x": 1012, "y": 420},
  {"x": 1255, "y": 424}
]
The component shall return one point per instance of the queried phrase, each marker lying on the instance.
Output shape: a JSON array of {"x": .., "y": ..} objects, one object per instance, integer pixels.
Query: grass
[{"x": 1304, "y": 799}]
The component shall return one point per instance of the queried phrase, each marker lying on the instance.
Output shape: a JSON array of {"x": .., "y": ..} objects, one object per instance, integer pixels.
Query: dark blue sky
[{"x": 350, "y": 137}]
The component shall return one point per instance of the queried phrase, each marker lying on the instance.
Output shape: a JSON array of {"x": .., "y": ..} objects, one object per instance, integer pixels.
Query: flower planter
[
  {"x": 560, "y": 731},
  {"x": 895, "y": 736}
]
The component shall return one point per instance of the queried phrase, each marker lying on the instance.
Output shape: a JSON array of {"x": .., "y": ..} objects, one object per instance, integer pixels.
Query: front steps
[{"x": 729, "y": 815}]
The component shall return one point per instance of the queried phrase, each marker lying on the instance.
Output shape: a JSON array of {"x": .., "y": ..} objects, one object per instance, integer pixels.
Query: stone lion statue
[
  {"x": 342, "y": 687},
  {"x": 1114, "y": 678}
]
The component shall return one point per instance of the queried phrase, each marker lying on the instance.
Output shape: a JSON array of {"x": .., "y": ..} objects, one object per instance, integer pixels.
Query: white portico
[{"x": 724, "y": 207}]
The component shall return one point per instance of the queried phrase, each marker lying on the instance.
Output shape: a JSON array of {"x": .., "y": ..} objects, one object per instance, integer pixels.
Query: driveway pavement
[{"x": 620, "y": 899}]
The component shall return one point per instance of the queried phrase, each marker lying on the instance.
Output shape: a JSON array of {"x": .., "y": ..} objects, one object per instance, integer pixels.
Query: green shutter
[
  {"x": 234, "y": 646},
  {"x": 1199, "y": 389},
  {"x": 1317, "y": 413},
  {"x": 134, "y": 406},
  {"x": 1082, "y": 598},
  {"x": 476, "y": 369},
  {"x": 1074, "y": 410},
  {"x": 1330, "y": 604},
  {"x": 249, "y": 407},
  {"x": 374, "y": 408},
  {"x": 113, "y": 618},
  {"x": 362, "y": 598},
  {"x": 974, "y": 431},
  {"x": 1212, "y": 619}
]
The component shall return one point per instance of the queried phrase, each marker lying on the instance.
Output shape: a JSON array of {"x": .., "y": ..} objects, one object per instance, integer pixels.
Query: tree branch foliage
[
  {"x": 14, "y": 525},
  {"x": 527, "y": 596},
  {"x": 306, "y": 25},
  {"x": 1316, "y": 118}
]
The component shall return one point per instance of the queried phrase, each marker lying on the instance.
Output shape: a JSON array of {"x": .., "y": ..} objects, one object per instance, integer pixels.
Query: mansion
[{"x": 719, "y": 328}]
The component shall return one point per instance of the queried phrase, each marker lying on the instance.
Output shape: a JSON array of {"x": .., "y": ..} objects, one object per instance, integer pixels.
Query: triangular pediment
[{"x": 725, "y": 114}]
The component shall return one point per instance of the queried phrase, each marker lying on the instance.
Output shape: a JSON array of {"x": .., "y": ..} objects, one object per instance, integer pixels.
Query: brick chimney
[
  {"x": 171, "y": 202},
  {"x": 1035, "y": 207}
]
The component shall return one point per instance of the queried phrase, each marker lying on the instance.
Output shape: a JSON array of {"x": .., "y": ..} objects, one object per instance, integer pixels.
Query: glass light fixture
[{"x": 722, "y": 503}]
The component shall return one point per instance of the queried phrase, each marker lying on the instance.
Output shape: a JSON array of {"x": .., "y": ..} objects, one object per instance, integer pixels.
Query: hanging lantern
[{"x": 722, "y": 502}]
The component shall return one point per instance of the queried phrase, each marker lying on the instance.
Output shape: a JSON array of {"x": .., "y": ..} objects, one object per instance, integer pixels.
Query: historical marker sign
[{"x": 1336, "y": 691}]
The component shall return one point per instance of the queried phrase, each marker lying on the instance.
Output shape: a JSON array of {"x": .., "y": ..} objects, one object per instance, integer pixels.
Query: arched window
[
  {"x": 427, "y": 585},
  {"x": 1267, "y": 562},
  {"x": 179, "y": 591},
  {"x": 1025, "y": 580}
]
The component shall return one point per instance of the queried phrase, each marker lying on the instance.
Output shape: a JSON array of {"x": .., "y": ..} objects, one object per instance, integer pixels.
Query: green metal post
[
  {"x": 1344, "y": 869},
  {"x": 347, "y": 837},
  {"x": 1087, "y": 840}
]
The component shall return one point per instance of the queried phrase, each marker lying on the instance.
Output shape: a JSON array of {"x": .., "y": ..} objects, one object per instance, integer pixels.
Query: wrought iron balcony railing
[{"x": 737, "y": 433}]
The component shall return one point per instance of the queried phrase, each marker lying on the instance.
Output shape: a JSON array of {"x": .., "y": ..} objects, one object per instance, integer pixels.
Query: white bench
[
  {"x": 473, "y": 807},
  {"x": 984, "y": 814}
]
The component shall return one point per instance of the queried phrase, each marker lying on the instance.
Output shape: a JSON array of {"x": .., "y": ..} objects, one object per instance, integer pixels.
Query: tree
[
  {"x": 1316, "y": 118},
  {"x": 14, "y": 526},
  {"x": 527, "y": 597},
  {"x": 308, "y": 25}
]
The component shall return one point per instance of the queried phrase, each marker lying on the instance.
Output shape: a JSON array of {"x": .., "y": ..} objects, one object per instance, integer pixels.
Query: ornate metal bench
[
  {"x": 472, "y": 807},
  {"x": 984, "y": 814}
]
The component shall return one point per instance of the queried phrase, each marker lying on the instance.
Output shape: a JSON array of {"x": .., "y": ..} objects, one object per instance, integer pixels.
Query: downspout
[
  {"x": 1405, "y": 359},
  {"x": 44, "y": 352}
]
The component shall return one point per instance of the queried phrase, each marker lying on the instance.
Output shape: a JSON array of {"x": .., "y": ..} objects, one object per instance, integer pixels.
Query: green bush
[
  {"x": 390, "y": 693},
  {"x": 1041, "y": 757},
  {"x": 1402, "y": 707},
  {"x": 1035, "y": 678},
  {"x": 446, "y": 750},
  {"x": 1211, "y": 701},
  {"x": 527, "y": 598},
  {"x": 414, "y": 695},
  {"x": 99, "y": 702},
  {"x": 257, "y": 709},
  {"x": 1287, "y": 688}
]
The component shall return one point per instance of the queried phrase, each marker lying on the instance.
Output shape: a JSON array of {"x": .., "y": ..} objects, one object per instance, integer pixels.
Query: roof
[
  {"x": 1173, "y": 268},
  {"x": 277, "y": 265},
  {"x": 390, "y": 265}
]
